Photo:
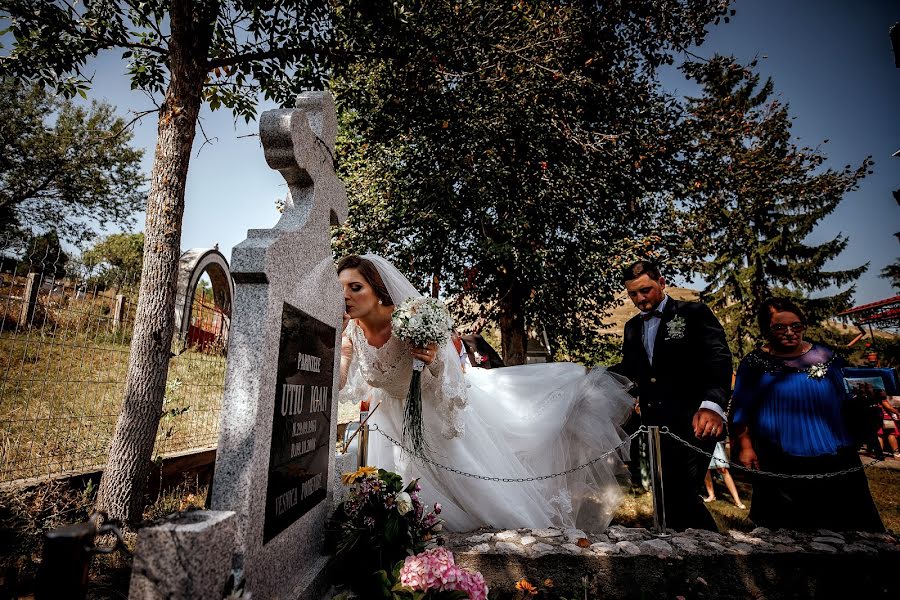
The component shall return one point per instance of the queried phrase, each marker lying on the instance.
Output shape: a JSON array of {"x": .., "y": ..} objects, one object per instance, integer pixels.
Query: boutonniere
[
  {"x": 480, "y": 358},
  {"x": 817, "y": 371},
  {"x": 675, "y": 328}
]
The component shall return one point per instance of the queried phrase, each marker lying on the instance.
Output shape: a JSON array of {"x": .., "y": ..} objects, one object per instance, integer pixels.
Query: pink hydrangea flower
[
  {"x": 412, "y": 573},
  {"x": 473, "y": 584},
  {"x": 436, "y": 569},
  {"x": 428, "y": 570}
]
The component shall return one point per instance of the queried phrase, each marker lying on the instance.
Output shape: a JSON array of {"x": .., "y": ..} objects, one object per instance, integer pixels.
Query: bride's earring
[{"x": 380, "y": 302}]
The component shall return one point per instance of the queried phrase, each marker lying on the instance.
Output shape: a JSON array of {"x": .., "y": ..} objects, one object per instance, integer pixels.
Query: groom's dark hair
[
  {"x": 639, "y": 268},
  {"x": 370, "y": 274}
]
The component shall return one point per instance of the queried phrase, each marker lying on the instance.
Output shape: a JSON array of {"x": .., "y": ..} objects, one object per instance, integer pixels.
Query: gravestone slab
[
  {"x": 275, "y": 462},
  {"x": 201, "y": 543}
]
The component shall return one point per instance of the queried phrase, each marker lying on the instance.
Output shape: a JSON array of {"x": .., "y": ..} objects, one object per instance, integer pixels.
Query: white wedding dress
[{"x": 516, "y": 423}]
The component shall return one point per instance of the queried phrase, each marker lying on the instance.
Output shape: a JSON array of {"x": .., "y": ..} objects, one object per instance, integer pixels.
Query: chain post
[
  {"x": 656, "y": 484},
  {"x": 65, "y": 562},
  {"x": 66, "y": 557},
  {"x": 362, "y": 446}
]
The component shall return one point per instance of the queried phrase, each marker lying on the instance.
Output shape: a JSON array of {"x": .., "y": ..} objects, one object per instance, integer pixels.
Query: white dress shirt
[{"x": 651, "y": 328}]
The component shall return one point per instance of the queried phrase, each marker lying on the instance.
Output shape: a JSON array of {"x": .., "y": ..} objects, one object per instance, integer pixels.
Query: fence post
[
  {"x": 659, "y": 511},
  {"x": 29, "y": 299},
  {"x": 119, "y": 311}
]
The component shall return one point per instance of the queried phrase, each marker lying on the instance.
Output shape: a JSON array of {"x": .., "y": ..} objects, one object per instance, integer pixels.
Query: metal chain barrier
[
  {"x": 643, "y": 429},
  {"x": 438, "y": 465},
  {"x": 731, "y": 465}
]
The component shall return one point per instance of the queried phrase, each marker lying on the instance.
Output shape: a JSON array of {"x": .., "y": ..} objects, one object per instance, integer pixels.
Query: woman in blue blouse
[{"x": 788, "y": 404}]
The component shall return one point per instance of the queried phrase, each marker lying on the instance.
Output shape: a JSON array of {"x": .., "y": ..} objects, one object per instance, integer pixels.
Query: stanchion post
[
  {"x": 362, "y": 446},
  {"x": 656, "y": 485}
]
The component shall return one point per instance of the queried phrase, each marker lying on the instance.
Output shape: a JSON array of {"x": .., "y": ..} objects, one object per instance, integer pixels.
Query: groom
[{"x": 677, "y": 355}]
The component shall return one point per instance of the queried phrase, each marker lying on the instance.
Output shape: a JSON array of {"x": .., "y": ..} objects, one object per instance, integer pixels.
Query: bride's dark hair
[{"x": 370, "y": 274}]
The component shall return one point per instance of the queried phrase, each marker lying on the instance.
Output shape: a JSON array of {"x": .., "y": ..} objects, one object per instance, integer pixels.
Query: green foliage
[
  {"x": 892, "y": 273},
  {"x": 753, "y": 197},
  {"x": 515, "y": 152},
  {"x": 887, "y": 350},
  {"x": 63, "y": 168},
  {"x": 116, "y": 259},
  {"x": 274, "y": 48},
  {"x": 43, "y": 254}
]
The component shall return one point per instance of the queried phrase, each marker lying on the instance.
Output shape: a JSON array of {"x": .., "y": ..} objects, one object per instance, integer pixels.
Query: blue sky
[{"x": 831, "y": 60}]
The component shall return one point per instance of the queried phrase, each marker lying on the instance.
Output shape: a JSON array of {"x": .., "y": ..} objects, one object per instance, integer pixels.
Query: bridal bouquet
[{"x": 419, "y": 321}]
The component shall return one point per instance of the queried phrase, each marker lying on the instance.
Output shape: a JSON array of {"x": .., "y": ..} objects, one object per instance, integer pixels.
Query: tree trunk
[
  {"x": 513, "y": 337},
  {"x": 121, "y": 492}
]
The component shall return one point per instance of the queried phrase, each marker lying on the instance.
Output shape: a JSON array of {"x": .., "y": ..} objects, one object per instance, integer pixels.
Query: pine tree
[{"x": 753, "y": 198}]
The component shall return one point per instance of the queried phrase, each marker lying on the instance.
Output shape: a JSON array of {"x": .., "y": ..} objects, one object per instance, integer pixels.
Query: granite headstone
[{"x": 275, "y": 458}]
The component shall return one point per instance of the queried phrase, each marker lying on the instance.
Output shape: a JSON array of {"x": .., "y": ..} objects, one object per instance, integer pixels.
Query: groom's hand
[{"x": 706, "y": 424}]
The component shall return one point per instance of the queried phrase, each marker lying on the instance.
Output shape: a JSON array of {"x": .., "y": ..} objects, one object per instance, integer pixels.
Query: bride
[{"x": 516, "y": 423}]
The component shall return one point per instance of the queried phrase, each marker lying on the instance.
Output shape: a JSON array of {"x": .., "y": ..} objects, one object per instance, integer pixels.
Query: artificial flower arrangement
[
  {"x": 420, "y": 321},
  {"x": 383, "y": 531}
]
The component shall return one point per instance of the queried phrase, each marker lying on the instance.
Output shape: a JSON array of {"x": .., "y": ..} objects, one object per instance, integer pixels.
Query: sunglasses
[{"x": 781, "y": 327}]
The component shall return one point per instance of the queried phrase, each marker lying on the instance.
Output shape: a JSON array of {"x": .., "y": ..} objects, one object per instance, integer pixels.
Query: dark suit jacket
[
  {"x": 475, "y": 343},
  {"x": 687, "y": 368}
]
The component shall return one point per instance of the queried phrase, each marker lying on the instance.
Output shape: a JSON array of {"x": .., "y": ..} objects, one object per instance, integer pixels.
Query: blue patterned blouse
[{"x": 796, "y": 404}]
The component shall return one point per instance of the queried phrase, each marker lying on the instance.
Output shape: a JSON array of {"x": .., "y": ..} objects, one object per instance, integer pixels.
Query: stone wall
[{"x": 634, "y": 563}]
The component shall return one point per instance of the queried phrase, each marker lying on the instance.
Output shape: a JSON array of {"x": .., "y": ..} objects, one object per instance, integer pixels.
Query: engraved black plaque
[{"x": 301, "y": 421}]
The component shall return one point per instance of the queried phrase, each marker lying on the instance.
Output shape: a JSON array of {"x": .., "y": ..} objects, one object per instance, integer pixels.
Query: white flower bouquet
[{"x": 419, "y": 321}]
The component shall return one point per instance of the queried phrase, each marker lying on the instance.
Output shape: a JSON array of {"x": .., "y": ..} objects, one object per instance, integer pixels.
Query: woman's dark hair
[
  {"x": 773, "y": 305},
  {"x": 639, "y": 268},
  {"x": 370, "y": 274}
]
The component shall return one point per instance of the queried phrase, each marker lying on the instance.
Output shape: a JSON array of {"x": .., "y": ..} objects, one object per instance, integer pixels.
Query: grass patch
[
  {"x": 61, "y": 393},
  {"x": 637, "y": 508},
  {"x": 884, "y": 484},
  {"x": 27, "y": 513}
]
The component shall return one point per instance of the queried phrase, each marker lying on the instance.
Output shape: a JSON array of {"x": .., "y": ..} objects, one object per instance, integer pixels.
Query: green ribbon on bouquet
[{"x": 413, "y": 429}]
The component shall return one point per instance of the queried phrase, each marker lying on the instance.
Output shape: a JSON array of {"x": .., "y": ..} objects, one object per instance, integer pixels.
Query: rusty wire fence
[{"x": 65, "y": 332}]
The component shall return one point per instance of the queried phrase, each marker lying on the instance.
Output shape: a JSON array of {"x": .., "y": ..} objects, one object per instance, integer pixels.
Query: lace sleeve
[
  {"x": 346, "y": 358},
  {"x": 353, "y": 388},
  {"x": 443, "y": 380}
]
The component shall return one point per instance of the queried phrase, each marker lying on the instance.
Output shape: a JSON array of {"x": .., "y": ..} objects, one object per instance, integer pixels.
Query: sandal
[{"x": 742, "y": 506}]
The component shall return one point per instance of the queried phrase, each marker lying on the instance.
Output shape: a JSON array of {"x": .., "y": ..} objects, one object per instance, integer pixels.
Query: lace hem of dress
[{"x": 563, "y": 502}]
